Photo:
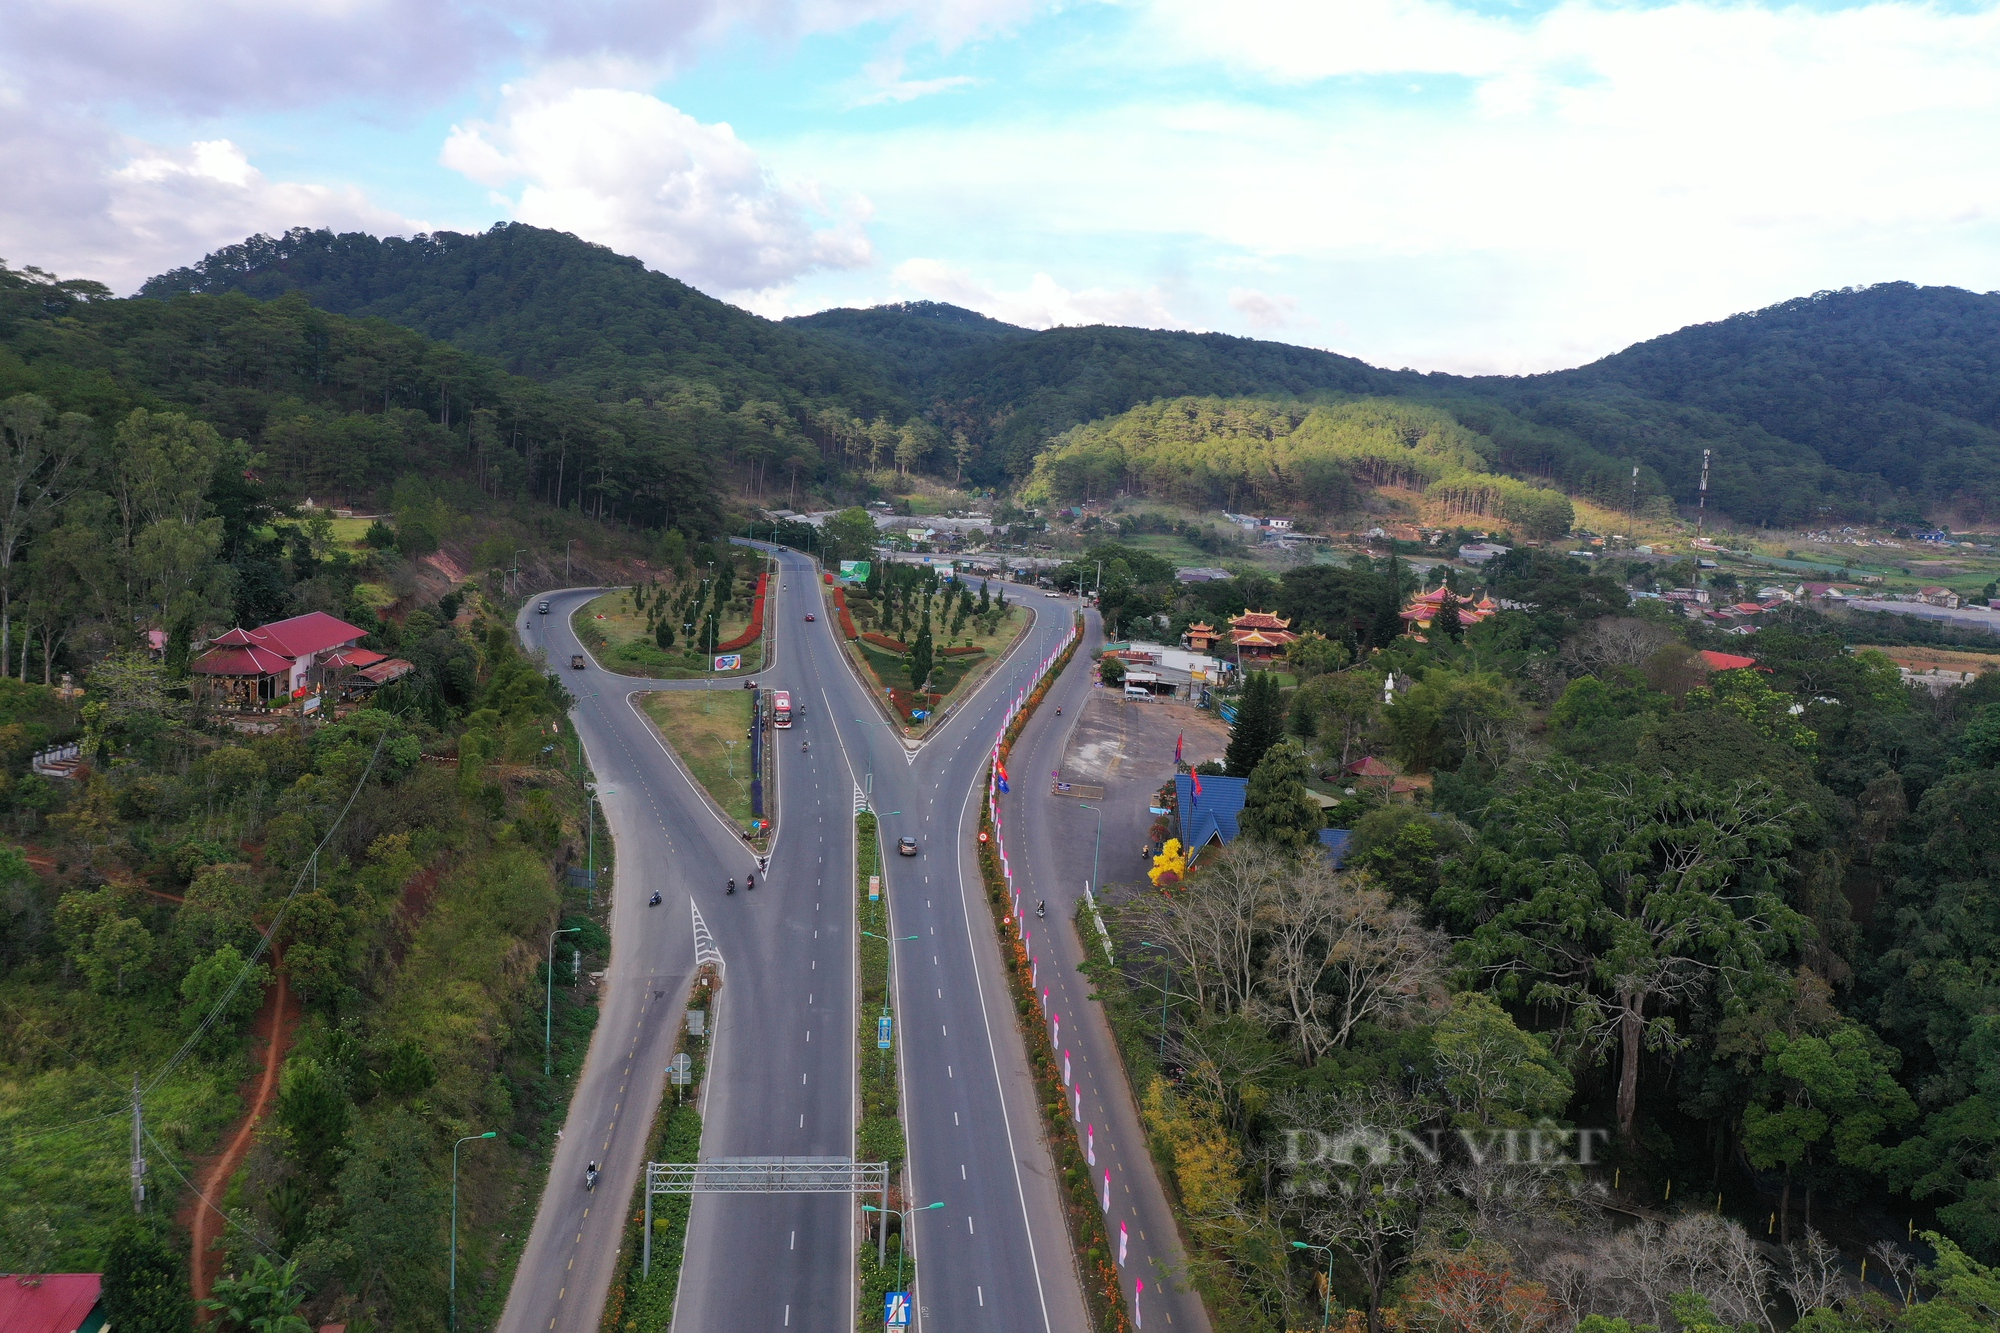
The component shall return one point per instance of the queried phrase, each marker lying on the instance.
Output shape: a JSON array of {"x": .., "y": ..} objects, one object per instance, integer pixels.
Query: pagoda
[
  {"x": 1200, "y": 637},
  {"x": 1424, "y": 607},
  {"x": 1259, "y": 636}
]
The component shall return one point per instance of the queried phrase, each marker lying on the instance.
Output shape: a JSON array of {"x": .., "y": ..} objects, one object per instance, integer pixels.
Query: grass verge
[
  {"x": 888, "y": 671},
  {"x": 880, "y": 1135},
  {"x": 709, "y": 730},
  {"x": 616, "y": 631},
  {"x": 640, "y": 1302}
]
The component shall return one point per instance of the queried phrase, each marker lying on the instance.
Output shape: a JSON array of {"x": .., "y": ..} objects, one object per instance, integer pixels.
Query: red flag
[
  {"x": 1197, "y": 789},
  {"x": 1177, "y": 746}
]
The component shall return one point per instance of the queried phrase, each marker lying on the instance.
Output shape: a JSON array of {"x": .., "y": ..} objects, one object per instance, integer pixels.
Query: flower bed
[
  {"x": 905, "y": 702},
  {"x": 756, "y": 630},
  {"x": 846, "y": 619},
  {"x": 884, "y": 641},
  {"x": 961, "y": 651}
]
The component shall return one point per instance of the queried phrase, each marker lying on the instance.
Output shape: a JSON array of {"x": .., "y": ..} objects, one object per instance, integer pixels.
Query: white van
[{"x": 1137, "y": 692}]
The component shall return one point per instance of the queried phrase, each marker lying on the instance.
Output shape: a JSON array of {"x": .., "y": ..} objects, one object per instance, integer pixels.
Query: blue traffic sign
[
  {"x": 896, "y": 1309},
  {"x": 882, "y": 1026}
]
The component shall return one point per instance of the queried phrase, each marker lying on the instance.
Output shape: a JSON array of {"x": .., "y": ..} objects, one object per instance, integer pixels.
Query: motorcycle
[
  {"x": 1041, "y": 909},
  {"x": 749, "y": 883},
  {"x": 654, "y": 901},
  {"x": 732, "y": 886},
  {"x": 1059, "y": 711},
  {"x": 590, "y": 1176},
  {"x": 804, "y": 746}
]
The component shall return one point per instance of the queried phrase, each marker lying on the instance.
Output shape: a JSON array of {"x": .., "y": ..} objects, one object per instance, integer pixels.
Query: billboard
[
  {"x": 729, "y": 662},
  {"x": 855, "y": 571}
]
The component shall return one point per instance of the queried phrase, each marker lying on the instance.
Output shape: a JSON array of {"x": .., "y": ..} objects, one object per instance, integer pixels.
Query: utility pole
[
  {"x": 1701, "y": 510},
  {"x": 138, "y": 1161},
  {"x": 566, "y": 549},
  {"x": 1634, "y": 514}
]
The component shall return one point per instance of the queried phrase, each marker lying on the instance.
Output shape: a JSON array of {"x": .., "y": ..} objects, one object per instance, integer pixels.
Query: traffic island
[
  {"x": 882, "y": 1264},
  {"x": 709, "y": 732}
]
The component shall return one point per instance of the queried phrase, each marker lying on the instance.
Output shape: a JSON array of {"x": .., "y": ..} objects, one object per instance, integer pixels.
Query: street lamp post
[
  {"x": 549, "y": 1000},
  {"x": 518, "y": 553},
  {"x": 889, "y": 968},
  {"x": 903, "y": 1248},
  {"x": 566, "y": 549},
  {"x": 1165, "y": 991},
  {"x": 590, "y": 843},
  {"x": 1099, "y": 846},
  {"x": 876, "y": 722},
  {"x": 1326, "y": 1319},
  {"x": 454, "y": 1222}
]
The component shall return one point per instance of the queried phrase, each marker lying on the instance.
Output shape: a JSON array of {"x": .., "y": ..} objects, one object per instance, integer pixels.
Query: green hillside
[{"x": 548, "y": 306}]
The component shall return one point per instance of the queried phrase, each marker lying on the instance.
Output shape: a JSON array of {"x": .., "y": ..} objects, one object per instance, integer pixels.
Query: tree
[
  {"x": 1343, "y": 705},
  {"x": 1447, "y": 624},
  {"x": 263, "y": 1299},
  {"x": 314, "y": 1111},
  {"x": 922, "y": 656},
  {"x": 145, "y": 1283},
  {"x": 1260, "y": 724},
  {"x": 1490, "y": 1071},
  {"x": 226, "y": 985},
  {"x": 850, "y": 535},
  {"x": 39, "y": 453},
  {"x": 1616, "y": 897},
  {"x": 1314, "y": 654},
  {"x": 1277, "y": 810}
]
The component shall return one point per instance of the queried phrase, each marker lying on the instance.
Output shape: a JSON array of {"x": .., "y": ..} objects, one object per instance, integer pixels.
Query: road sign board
[
  {"x": 882, "y": 1029},
  {"x": 729, "y": 662},
  {"x": 896, "y": 1309},
  {"x": 680, "y": 1070}
]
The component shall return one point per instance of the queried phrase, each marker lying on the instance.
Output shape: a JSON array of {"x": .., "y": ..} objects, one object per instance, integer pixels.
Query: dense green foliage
[
  {"x": 547, "y": 306},
  {"x": 1248, "y": 454},
  {"x": 1737, "y": 921}
]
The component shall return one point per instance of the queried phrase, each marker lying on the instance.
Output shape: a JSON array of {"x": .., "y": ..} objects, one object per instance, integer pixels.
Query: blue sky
[{"x": 1470, "y": 187}]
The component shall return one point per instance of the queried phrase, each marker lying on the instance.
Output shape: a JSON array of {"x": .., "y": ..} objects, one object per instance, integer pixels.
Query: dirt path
[{"x": 277, "y": 1022}]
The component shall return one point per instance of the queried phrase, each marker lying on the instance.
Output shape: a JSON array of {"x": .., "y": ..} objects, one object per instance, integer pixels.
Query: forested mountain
[
  {"x": 1878, "y": 402},
  {"x": 551, "y": 307},
  {"x": 1893, "y": 381}
]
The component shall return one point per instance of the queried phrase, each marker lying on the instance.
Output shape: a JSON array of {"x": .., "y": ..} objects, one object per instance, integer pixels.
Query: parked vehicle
[
  {"x": 576, "y": 661},
  {"x": 906, "y": 846}
]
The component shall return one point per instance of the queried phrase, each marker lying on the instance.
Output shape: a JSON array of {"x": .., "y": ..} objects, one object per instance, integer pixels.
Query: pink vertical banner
[
  {"x": 1066, "y": 1077},
  {"x": 1138, "y": 1321},
  {"x": 1078, "y": 1092},
  {"x": 1032, "y": 967},
  {"x": 1107, "y": 1191},
  {"x": 1058, "y": 1036},
  {"x": 1090, "y": 1144},
  {"x": 1123, "y": 1238}
]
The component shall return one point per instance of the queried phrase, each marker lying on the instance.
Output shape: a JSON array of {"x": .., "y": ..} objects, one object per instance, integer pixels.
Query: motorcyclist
[
  {"x": 804, "y": 746},
  {"x": 749, "y": 883},
  {"x": 1058, "y": 710},
  {"x": 1042, "y": 908},
  {"x": 732, "y": 886},
  {"x": 654, "y": 901},
  {"x": 590, "y": 1176}
]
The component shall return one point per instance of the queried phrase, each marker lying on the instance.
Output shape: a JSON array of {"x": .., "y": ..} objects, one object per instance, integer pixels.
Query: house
[
  {"x": 1211, "y": 816},
  {"x": 1260, "y": 636},
  {"x": 1335, "y": 841},
  {"x": 1201, "y": 574},
  {"x": 52, "y": 1303},
  {"x": 1726, "y": 661},
  {"x": 1944, "y": 597},
  {"x": 1478, "y": 553},
  {"x": 288, "y": 659}
]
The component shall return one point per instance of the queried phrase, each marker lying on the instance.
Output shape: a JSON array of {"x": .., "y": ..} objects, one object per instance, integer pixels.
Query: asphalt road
[
  {"x": 782, "y": 1078},
  {"x": 1052, "y": 843}
]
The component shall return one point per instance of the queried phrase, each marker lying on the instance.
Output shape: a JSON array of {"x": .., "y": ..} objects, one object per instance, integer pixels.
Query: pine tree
[
  {"x": 921, "y": 656},
  {"x": 145, "y": 1285},
  {"x": 1276, "y": 810},
  {"x": 1446, "y": 621},
  {"x": 1260, "y": 724}
]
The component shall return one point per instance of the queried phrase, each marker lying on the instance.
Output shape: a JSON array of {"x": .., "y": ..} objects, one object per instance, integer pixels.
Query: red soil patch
[{"x": 277, "y": 1023}]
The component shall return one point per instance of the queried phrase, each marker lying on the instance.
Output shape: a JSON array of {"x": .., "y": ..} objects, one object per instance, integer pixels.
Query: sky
[{"x": 1483, "y": 187}]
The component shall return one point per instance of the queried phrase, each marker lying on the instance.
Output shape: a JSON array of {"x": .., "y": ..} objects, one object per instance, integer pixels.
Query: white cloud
[
  {"x": 1044, "y": 303},
  {"x": 628, "y": 170},
  {"x": 87, "y": 203}
]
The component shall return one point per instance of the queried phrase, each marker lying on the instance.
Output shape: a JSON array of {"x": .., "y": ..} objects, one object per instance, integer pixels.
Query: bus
[{"x": 781, "y": 708}]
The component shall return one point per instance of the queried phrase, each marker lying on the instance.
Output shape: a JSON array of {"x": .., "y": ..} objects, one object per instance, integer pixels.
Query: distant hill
[
  {"x": 1878, "y": 396},
  {"x": 1880, "y": 402},
  {"x": 551, "y": 307}
]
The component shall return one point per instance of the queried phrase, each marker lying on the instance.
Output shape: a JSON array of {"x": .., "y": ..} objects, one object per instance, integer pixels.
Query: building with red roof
[
  {"x": 51, "y": 1303},
  {"x": 1423, "y": 609},
  {"x": 1726, "y": 661},
  {"x": 1259, "y": 636},
  {"x": 283, "y": 659}
]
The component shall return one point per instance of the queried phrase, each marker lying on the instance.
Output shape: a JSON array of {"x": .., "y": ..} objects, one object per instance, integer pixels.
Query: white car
[{"x": 1051, "y": 594}]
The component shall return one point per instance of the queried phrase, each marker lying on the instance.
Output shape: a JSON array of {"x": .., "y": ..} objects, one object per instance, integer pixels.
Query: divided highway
[{"x": 782, "y": 1079}]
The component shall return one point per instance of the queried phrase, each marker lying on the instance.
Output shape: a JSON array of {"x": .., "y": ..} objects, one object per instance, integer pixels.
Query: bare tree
[
  {"x": 1642, "y": 1268},
  {"x": 1901, "y": 1268},
  {"x": 1814, "y": 1278},
  {"x": 1209, "y": 926},
  {"x": 1615, "y": 641}
]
